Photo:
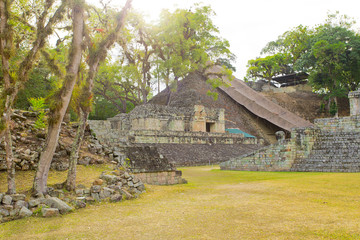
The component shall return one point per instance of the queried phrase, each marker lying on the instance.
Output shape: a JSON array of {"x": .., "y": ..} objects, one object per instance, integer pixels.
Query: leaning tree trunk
[
  {"x": 93, "y": 62},
  {"x": 65, "y": 93},
  {"x": 70, "y": 183},
  {"x": 5, "y": 49},
  {"x": 12, "y": 85}
]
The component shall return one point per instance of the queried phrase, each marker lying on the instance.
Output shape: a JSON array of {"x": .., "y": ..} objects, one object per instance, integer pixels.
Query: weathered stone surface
[
  {"x": 58, "y": 193},
  {"x": 127, "y": 194},
  {"x": 90, "y": 200},
  {"x": 14, "y": 212},
  {"x": 331, "y": 146},
  {"x": 79, "y": 192},
  {"x": 4, "y": 212},
  {"x": 21, "y": 203},
  {"x": 49, "y": 212},
  {"x": 24, "y": 212},
  {"x": 95, "y": 196},
  {"x": 8, "y": 207},
  {"x": 54, "y": 202},
  {"x": 7, "y": 199},
  {"x": 95, "y": 188},
  {"x": 116, "y": 198},
  {"x": 80, "y": 204},
  {"x": 35, "y": 202},
  {"x": 106, "y": 192},
  {"x": 84, "y": 161},
  {"x": 27, "y": 152},
  {"x": 110, "y": 179}
]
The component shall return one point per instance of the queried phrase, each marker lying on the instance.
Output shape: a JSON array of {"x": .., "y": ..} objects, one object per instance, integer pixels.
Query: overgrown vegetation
[{"x": 38, "y": 106}]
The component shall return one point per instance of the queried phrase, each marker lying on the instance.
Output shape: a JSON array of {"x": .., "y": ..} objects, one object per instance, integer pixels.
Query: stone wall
[
  {"x": 173, "y": 131},
  {"x": 276, "y": 157},
  {"x": 339, "y": 124},
  {"x": 161, "y": 178},
  {"x": 122, "y": 138},
  {"x": 181, "y": 148},
  {"x": 332, "y": 152},
  {"x": 202, "y": 154},
  {"x": 333, "y": 145},
  {"x": 164, "y": 118},
  {"x": 147, "y": 159}
]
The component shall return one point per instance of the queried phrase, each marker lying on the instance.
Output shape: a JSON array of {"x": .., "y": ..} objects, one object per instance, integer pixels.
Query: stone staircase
[{"x": 333, "y": 151}]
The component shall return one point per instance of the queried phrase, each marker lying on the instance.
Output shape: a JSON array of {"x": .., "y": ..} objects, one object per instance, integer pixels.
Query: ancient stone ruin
[
  {"x": 111, "y": 186},
  {"x": 332, "y": 145},
  {"x": 156, "y": 138},
  {"x": 170, "y": 119}
]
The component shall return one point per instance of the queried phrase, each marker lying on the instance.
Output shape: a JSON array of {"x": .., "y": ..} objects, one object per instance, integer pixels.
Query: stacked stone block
[
  {"x": 161, "y": 178},
  {"x": 275, "y": 157},
  {"x": 332, "y": 146},
  {"x": 333, "y": 152}
]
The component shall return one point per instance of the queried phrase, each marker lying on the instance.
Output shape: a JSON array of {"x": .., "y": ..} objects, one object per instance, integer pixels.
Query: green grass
[{"x": 214, "y": 205}]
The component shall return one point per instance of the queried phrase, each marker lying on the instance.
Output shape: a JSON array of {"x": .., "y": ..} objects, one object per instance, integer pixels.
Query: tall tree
[
  {"x": 137, "y": 53},
  {"x": 96, "y": 56},
  {"x": 186, "y": 41},
  {"x": 17, "y": 32},
  {"x": 117, "y": 84},
  {"x": 293, "y": 44},
  {"x": 60, "y": 100},
  {"x": 267, "y": 67},
  {"x": 329, "y": 53}
]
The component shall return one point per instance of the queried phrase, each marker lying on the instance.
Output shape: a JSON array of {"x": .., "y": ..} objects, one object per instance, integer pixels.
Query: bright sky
[{"x": 249, "y": 25}]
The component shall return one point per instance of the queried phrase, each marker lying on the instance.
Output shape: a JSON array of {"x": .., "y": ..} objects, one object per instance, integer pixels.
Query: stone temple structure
[
  {"x": 157, "y": 138},
  {"x": 331, "y": 145},
  {"x": 170, "y": 119}
]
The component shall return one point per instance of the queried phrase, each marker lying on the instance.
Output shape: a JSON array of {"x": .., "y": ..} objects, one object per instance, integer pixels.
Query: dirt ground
[{"x": 305, "y": 104}]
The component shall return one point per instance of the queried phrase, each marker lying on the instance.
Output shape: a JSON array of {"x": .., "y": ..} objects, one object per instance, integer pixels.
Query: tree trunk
[
  {"x": 70, "y": 184},
  {"x": 5, "y": 47},
  {"x": 124, "y": 104},
  {"x": 144, "y": 95},
  {"x": 168, "y": 100},
  {"x": 328, "y": 105},
  {"x": 337, "y": 107},
  {"x": 10, "y": 164},
  {"x": 86, "y": 95},
  {"x": 41, "y": 176},
  {"x": 158, "y": 83}
]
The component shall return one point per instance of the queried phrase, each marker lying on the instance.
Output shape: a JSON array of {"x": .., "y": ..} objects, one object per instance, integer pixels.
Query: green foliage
[
  {"x": 39, "y": 85},
  {"x": 187, "y": 41},
  {"x": 329, "y": 53},
  {"x": 103, "y": 109},
  {"x": 267, "y": 67},
  {"x": 333, "y": 108},
  {"x": 214, "y": 95},
  {"x": 38, "y": 105},
  {"x": 115, "y": 90}
]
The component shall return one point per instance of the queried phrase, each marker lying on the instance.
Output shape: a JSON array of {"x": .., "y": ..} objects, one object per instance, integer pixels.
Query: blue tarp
[{"x": 238, "y": 131}]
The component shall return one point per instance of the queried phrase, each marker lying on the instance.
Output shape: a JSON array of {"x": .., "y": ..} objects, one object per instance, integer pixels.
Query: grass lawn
[{"x": 213, "y": 205}]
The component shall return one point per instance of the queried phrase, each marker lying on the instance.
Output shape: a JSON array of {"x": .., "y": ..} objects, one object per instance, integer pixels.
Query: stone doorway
[{"x": 210, "y": 127}]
